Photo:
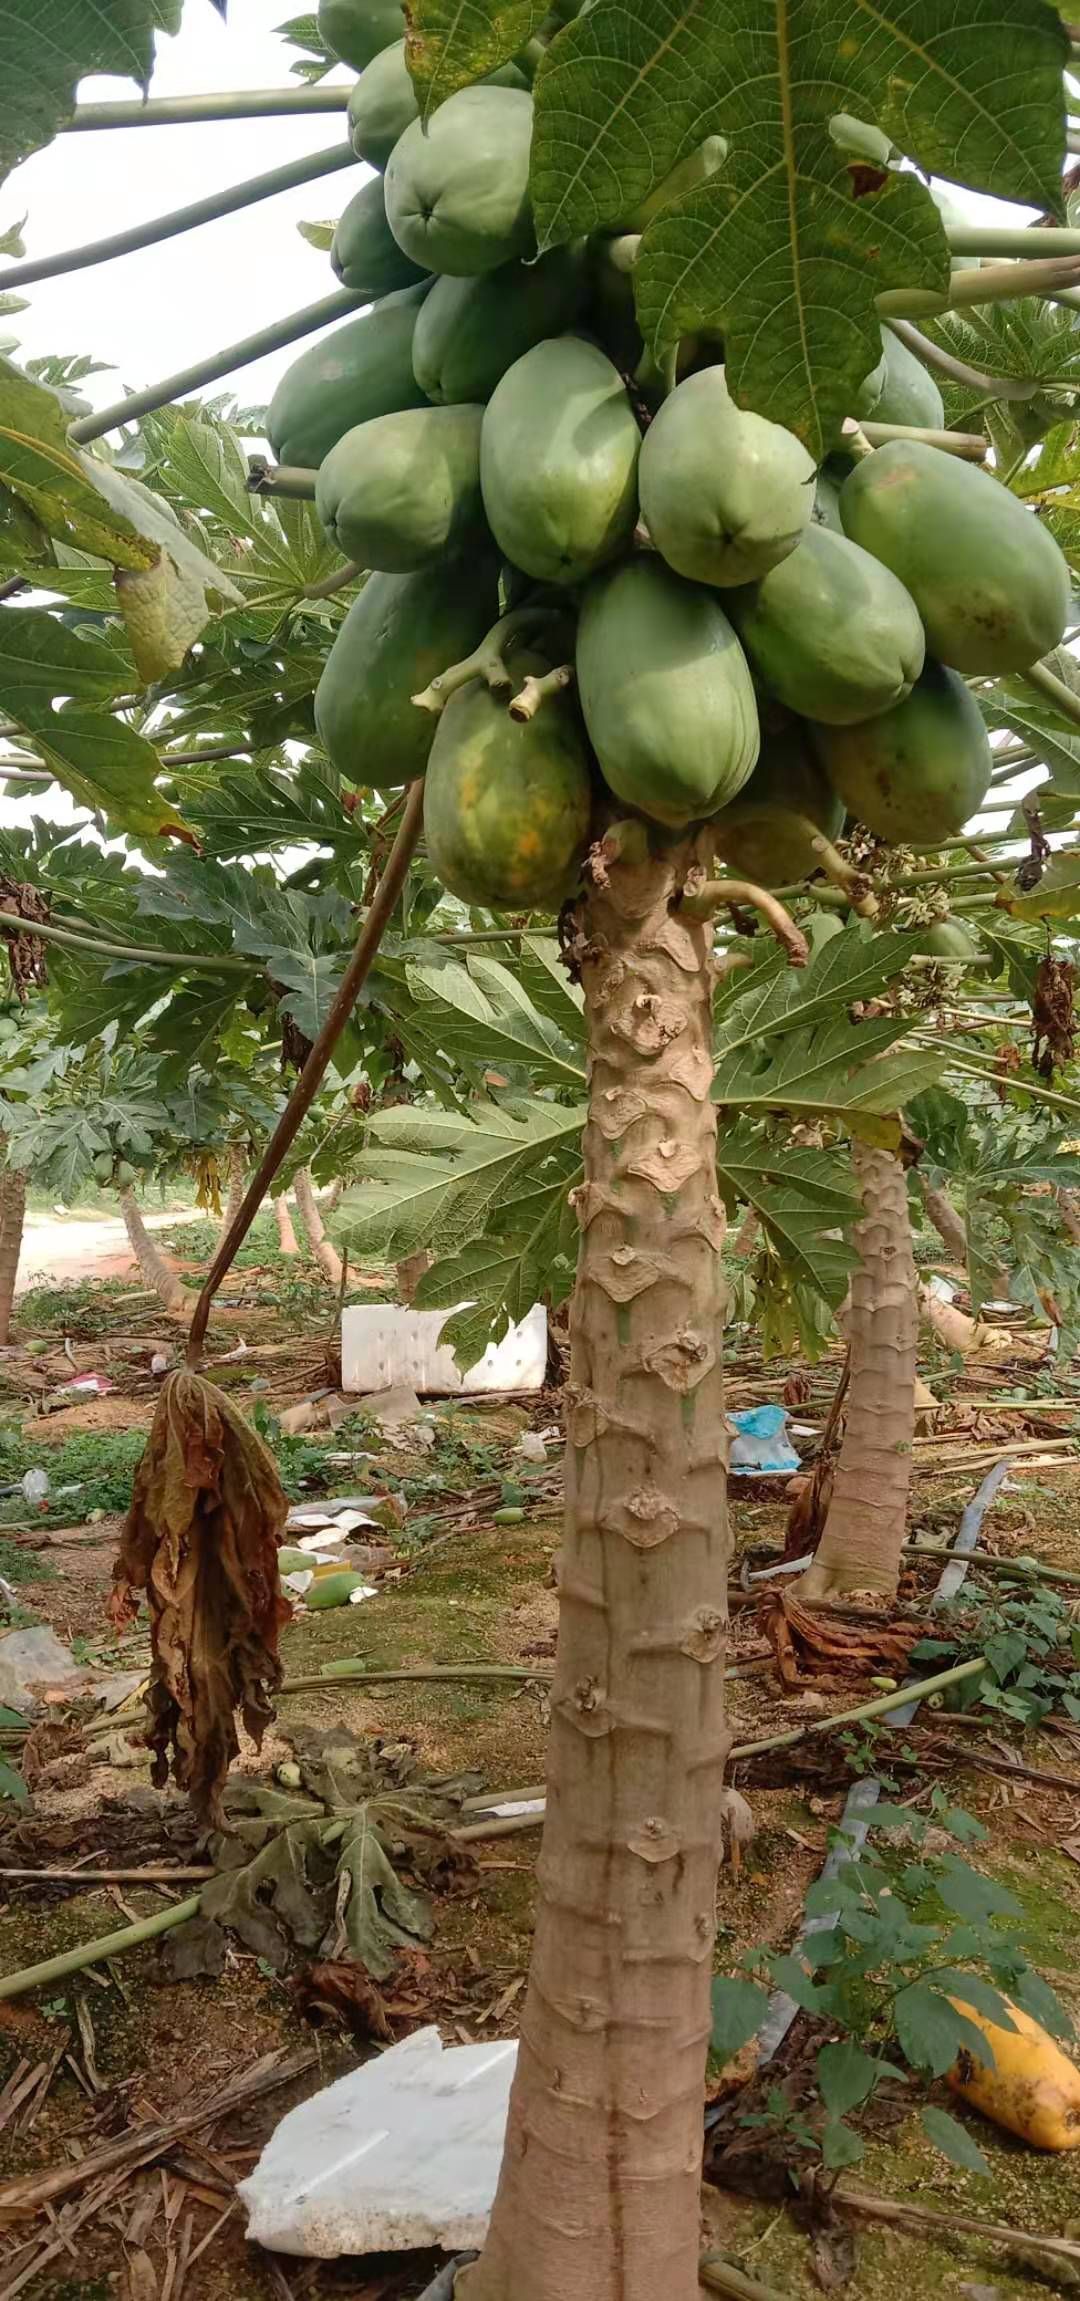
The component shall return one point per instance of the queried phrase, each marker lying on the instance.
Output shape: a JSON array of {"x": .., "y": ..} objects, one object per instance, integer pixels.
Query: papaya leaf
[
  {"x": 46, "y": 49},
  {"x": 381, "y": 1915},
  {"x": 450, "y": 43},
  {"x": 801, "y": 1196},
  {"x": 786, "y": 247},
  {"x": 1057, "y": 895},
  {"x": 953, "y": 2139}
]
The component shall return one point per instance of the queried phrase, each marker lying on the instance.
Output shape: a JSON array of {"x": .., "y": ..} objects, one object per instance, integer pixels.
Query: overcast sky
[{"x": 159, "y": 310}]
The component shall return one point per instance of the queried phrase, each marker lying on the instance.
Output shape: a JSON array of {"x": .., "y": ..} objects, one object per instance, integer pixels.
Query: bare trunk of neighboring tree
[
  {"x": 326, "y": 1255},
  {"x": 152, "y": 1265},
  {"x": 598, "y": 2197},
  {"x": 746, "y": 1237},
  {"x": 332, "y": 1200},
  {"x": 867, "y": 1521},
  {"x": 12, "y": 1212},
  {"x": 237, "y": 1174},
  {"x": 949, "y": 1225},
  {"x": 285, "y": 1232}
]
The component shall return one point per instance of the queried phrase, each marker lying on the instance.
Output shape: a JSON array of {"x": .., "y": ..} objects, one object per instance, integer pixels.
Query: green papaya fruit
[
  {"x": 404, "y": 490},
  {"x": 507, "y": 805},
  {"x": 361, "y": 370},
  {"x": 831, "y": 632},
  {"x": 871, "y": 387},
  {"x": 558, "y": 461},
  {"x": 666, "y": 691},
  {"x": 988, "y": 580},
  {"x": 103, "y": 1167},
  {"x": 474, "y": 329},
  {"x": 725, "y": 494},
  {"x": 333, "y": 1589},
  {"x": 383, "y": 103},
  {"x": 908, "y": 392},
  {"x": 364, "y": 253},
  {"x": 946, "y": 939},
  {"x": 457, "y": 188},
  {"x": 357, "y": 30},
  {"x": 399, "y": 632},
  {"x": 766, "y": 834},
  {"x": 826, "y": 511},
  {"x": 917, "y": 773},
  {"x": 124, "y": 1174}
]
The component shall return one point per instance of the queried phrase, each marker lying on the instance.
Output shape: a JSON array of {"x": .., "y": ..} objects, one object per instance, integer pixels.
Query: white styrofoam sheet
[
  {"x": 385, "y": 1344},
  {"x": 400, "y": 2154}
]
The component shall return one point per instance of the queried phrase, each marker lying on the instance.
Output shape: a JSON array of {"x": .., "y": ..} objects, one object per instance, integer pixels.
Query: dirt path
[{"x": 66, "y": 1247}]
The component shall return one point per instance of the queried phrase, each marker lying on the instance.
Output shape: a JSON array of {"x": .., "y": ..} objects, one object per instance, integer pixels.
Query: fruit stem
[
  {"x": 534, "y": 691},
  {"x": 486, "y": 661},
  {"x": 1047, "y": 684},
  {"x": 967, "y": 444},
  {"x": 994, "y": 240},
  {"x": 218, "y": 364},
  {"x": 958, "y": 371},
  {"x": 179, "y": 111},
  {"x": 338, "y": 579},
  {"x": 703, "y": 896},
  {"x": 854, "y": 883},
  {"x": 290, "y": 480},
  {"x": 996, "y": 283},
  {"x": 207, "y": 211}
]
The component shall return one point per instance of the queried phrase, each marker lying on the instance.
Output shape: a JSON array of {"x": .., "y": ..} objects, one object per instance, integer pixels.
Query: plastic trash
[
  {"x": 399, "y": 2154},
  {"x": 532, "y": 1446},
  {"x": 31, "y": 1661},
  {"x": 386, "y": 1345},
  {"x": 35, "y": 1486},
  {"x": 761, "y": 1446}
]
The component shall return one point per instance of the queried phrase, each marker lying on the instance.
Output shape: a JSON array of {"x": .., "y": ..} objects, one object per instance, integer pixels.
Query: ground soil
[{"x": 463, "y": 1590}]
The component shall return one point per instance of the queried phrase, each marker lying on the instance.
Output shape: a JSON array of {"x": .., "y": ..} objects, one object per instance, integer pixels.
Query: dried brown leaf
[{"x": 201, "y": 1538}]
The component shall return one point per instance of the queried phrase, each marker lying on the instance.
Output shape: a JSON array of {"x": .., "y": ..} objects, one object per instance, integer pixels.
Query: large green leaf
[
  {"x": 481, "y": 1017},
  {"x": 47, "y": 48},
  {"x": 1057, "y": 895},
  {"x": 791, "y": 1041},
  {"x": 803, "y": 1197},
  {"x": 785, "y": 248},
  {"x": 452, "y": 42}
]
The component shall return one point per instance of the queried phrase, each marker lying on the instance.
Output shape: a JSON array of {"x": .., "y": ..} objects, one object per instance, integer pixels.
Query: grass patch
[
  {"x": 97, "y": 1463},
  {"x": 85, "y": 1309}
]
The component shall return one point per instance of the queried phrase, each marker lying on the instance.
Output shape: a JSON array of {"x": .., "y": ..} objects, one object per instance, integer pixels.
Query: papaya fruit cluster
[{"x": 754, "y": 641}]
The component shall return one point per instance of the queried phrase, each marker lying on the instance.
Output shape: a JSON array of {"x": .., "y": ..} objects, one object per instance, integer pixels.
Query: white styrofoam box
[
  {"x": 384, "y": 1344},
  {"x": 399, "y": 2154}
]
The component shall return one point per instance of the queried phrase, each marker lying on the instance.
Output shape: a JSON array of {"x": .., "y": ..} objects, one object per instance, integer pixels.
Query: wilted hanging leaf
[
  {"x": 1052, "y": 1017},
  {"x": 26, "y": 953},
  {"x": 164, "y": 610},
  {"x": 201, "y": 1538}
]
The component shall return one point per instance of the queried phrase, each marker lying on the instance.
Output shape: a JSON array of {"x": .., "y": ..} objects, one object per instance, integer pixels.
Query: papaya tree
[{"x": 582, "y": 701}]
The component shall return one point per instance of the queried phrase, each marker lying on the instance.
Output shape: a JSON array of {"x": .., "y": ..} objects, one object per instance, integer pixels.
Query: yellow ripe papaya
[{"x": 1033, "y": 2089}]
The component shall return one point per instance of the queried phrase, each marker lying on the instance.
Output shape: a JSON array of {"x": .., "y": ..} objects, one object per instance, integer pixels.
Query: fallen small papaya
[
  {"x": 457, "y": 185},
  {"x": 1032, "y": 2088},
  {"x": 399, "y": 632},
  {"x": 725, "y": 494},
  {"x": 666, "y": 691},
  {"x": 507, "y": 803},
  {"x": 361, "y": 370},
  {"x": 364, "y": 253},
  {"x": 989, "y": 581},
  {"x": 403, "y": 491},
  {"x": 558, "y": 461}
]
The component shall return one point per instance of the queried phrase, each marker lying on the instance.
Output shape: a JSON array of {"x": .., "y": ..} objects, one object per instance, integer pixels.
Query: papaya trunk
[
  {"x": 332, "y": 1201},
  {"x": 948, "y": 1224},
  {"x": 326, "y": 1255},
  {"x": 598, "y": 2198},
  {"x": 285, "y": 1232},
  {"x": 152, "y": 1265},
  {"x": 237, "y": 1172},
  {"x": 866, "y": 1525},
  {"x": 12, "y": 1214},
  {"x": 1069, "y": 1210}
]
